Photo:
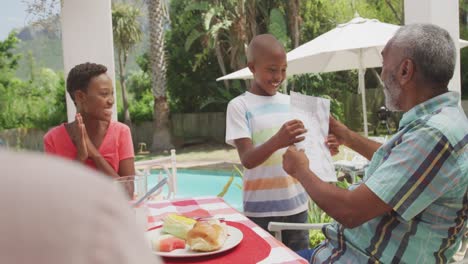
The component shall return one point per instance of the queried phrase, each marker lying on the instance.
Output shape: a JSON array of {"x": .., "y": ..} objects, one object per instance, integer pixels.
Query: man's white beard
[{"x": 392, "y": 93}]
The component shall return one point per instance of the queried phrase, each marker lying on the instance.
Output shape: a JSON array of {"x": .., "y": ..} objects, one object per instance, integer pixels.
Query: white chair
[
  {"x": 168, "y": 165},
  {"x": 462, "y": 254},
  {"x": 352, "y": 163},
  {"x": 380, "y": 139},
  {"x": 277, "y": 227}
]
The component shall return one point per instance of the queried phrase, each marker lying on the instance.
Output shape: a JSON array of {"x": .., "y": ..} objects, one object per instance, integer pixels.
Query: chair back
[{"x": 167, "y": 166}]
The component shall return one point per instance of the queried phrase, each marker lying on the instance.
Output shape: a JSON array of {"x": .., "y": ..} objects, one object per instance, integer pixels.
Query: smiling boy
[{"x": 258, "y": 124}]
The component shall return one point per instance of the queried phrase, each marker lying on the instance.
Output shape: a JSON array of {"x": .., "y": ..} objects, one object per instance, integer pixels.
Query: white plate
[{"x": 234, "y": 238}]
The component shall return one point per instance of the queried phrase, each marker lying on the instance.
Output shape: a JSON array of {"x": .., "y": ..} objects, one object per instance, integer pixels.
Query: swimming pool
[{"x": 191, "y": 183}]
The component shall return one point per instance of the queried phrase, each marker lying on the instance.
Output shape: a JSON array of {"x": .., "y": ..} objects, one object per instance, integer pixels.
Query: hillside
[{"x": 42, "y": 47}]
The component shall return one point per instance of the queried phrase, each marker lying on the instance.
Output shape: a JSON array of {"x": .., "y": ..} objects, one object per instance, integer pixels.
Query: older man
[{"x": 412, "y": 204}]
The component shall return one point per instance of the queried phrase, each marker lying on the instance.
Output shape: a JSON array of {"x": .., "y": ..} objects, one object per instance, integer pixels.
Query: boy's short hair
[
  {"x": 260, "y": 43},
  {"x": 80, "y": 76}
]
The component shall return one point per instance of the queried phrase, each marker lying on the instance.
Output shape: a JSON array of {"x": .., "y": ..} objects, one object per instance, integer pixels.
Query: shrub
[{"x": 315, "y": 237}]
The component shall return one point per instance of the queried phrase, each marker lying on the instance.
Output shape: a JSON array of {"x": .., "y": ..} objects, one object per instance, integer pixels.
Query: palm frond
[
  {"x": 208, "y": 17},
  {"x": 194, "y": 35},
  {"x": 198, "y": 6},
  {"x": 226, "y": 187}
]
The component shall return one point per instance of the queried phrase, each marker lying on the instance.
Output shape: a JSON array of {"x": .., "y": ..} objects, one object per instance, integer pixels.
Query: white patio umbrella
[{"x": 353, "y": 45}]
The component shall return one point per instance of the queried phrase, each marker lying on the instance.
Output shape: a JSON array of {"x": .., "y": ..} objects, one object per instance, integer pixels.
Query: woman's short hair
[{"x": 80, "y": 76}]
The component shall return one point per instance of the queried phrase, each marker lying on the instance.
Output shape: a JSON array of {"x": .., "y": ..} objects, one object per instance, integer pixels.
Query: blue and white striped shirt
[{"x": 422, "y": 173}]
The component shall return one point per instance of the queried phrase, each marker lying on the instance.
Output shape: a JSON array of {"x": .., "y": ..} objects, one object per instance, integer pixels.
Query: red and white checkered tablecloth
[{"x": 217, "y": 207}]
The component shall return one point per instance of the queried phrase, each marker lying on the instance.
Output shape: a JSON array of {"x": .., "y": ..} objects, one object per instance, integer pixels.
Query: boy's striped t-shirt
[{"x": 267, "y": 190}]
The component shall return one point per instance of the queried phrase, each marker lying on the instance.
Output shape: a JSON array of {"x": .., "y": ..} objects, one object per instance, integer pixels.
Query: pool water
[{"x": 192, "y": 183}]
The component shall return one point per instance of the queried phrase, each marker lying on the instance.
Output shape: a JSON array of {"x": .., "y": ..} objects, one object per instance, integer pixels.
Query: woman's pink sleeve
[
  {"x": 49, "y": 146},
  {"x": 126, "y": 144}
]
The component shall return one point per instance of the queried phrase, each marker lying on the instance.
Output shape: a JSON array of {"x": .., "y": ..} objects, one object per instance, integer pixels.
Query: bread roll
[{"x": 207, "y": 235}]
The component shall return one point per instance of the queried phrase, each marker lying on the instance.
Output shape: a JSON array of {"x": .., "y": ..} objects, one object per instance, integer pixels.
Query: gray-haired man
[{"x": 412, "y": 204}]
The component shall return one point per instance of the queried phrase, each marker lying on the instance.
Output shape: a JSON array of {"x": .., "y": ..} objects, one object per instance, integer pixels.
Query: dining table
[{"x": 256, "y": 245}]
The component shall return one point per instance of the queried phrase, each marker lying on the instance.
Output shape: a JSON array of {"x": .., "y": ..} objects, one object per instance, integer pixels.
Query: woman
[{"x": 93, "y": 138}]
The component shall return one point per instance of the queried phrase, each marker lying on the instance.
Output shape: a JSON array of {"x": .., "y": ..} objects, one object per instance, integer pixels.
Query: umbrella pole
[
  {"x": 362, "y": 89},
  {"x": 284, "y": 86}
]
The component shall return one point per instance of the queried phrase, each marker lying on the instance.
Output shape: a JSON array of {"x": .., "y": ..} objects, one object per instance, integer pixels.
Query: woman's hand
[
  {"x": 85, "y": 146},
  {"x": 93, "y": 152},
  {"x": 81, "y": 145}
]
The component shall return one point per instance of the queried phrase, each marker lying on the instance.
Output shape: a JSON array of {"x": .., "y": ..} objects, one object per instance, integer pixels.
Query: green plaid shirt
[{"x": 422, "y": 173}]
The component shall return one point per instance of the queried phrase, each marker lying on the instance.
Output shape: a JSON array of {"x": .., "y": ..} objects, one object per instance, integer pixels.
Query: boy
[{"x": 258, "y": 125}]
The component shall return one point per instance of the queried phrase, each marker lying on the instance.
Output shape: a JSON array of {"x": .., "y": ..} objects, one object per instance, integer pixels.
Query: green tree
[
  {"x": 139, "y": 83},
  {"x": 58, "y": 108},
  {"x": 224, "y": 31},
  {"x": 8, "y": 83},
  {"x": 38, "y": 102},
  {"x": 278, "y": 27},
  {"x": 47, "y": 106},
  {"x": 127, "y": 33},
  {"x": 191, "y": 73},
  {"x": 8, "y": 60},
  {"x": 228, "y": 26}
]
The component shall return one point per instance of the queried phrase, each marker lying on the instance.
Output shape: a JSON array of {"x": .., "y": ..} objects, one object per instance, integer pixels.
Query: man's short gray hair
[{"x": 431, "y": 48}]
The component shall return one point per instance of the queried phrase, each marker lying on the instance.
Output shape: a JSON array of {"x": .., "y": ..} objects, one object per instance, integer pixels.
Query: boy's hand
[
  {"x": 333, "y": 144},
  {"x": 295, "y": 161},
  {"x": 289, "y": 132}
]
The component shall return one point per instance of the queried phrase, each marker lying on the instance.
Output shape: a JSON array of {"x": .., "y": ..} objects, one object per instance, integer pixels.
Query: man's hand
[
  {"x": 333, "y": 144},
  {"x": 345, "y": 136},
  {"x": 295, "y": 161},
  {"x": 289, "y": 133},
  {"x": 81, "y": 146},
  {"x": 340, "y": 131}
]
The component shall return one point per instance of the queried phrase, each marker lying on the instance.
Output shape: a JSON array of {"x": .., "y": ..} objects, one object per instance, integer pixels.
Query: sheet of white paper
[{"x": 314, "y": 113}]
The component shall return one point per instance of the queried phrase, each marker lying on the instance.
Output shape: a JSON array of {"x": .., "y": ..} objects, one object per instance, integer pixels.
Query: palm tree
[
  {"x": 228, "y": 26},
  {"x": 158, "y": 15},
  {"x": 251, "y": 19},
  {"x": 127, "y": 32}
]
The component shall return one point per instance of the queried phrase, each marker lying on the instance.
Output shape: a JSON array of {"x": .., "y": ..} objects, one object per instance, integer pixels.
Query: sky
[{"x": 12, "y": 15}]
